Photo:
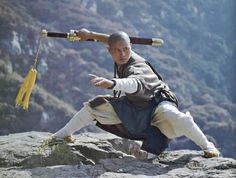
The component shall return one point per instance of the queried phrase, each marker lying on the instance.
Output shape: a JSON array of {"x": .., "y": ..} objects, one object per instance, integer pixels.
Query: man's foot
[
  {"x": 211, "y": 151},
  {"x": 69, "y": 139},
  {"x": 140, "y": 154},
  {"x": 58, "y": 140}
]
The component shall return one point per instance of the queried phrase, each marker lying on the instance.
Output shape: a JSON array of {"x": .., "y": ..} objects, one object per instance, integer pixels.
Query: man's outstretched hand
[{"x": 100, "y": 81}]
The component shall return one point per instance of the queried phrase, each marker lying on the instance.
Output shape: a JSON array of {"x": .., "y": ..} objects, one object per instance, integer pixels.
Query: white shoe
[{"x": 57, "y": 140}]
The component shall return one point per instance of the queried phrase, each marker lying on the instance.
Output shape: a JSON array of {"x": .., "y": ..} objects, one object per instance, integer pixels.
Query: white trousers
[
  {"x": 104, "y": 114},
  {"x": 171, "y": 122},
  {"x": 174, "y": 123}
]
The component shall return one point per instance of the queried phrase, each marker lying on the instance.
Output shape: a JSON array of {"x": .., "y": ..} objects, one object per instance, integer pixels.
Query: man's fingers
[
  {"x": 100, "y": 81},
  {"x": 95, "y": 80},
  {"x": 97, "y": 84},
  {"x": 93, "y": 76},
  {"x": 83, "y": 34}
]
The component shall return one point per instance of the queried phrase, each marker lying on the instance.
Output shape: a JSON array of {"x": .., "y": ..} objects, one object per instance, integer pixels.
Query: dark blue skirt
[{"x": 136, "y": 123}]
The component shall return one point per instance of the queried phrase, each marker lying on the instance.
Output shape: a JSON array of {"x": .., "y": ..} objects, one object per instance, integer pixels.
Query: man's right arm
[{"x": 127, "y": 85}]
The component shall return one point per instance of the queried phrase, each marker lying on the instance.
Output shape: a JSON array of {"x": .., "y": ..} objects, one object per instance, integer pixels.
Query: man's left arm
[{"x": 85, "y": 34}]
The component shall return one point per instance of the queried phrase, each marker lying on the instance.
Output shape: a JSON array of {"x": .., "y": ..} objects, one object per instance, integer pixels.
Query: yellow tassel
[{"x": 25, "y": 91}]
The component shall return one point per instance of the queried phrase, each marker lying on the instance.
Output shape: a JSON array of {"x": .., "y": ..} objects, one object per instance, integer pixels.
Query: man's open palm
[{"x": 100, "y": 81}]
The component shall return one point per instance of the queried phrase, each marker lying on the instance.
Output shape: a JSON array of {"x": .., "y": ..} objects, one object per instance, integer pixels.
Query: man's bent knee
[{"x": 103, "y": 113}]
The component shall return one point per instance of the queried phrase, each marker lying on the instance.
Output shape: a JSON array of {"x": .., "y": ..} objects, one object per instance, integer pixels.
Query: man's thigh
[
  {"x": 168, "y": 119},
  {"x": 104, "y": 113}
]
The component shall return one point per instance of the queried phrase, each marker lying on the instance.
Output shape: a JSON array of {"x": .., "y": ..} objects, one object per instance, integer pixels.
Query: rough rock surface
[{"x": 100, "y": 155}]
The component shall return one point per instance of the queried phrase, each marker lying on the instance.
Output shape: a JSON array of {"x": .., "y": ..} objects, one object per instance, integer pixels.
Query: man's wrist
[{"x": 113, "y": 85}]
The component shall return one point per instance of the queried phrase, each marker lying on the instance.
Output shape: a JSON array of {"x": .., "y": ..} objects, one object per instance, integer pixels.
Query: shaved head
[
  {"x": 119, "y": 47},
  {"x": 118, "y": 36}
]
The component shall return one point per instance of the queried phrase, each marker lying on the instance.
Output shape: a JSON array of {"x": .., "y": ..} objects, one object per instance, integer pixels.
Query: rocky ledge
[{"x": 100, "y": 155}]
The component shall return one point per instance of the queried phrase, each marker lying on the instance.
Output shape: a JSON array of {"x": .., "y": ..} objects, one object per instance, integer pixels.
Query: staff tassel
[{"x": 25, "y": 91}]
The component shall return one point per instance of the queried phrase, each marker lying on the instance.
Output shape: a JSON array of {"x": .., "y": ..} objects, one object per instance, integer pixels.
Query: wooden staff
[{"x": 100, "y": 37}]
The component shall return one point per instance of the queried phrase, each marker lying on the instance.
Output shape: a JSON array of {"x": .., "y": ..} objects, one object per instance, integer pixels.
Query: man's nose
[{"x": 122, "y": 53}]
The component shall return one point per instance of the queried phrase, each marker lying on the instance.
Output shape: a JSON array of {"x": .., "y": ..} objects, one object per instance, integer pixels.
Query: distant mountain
[{"x": 197, "y": 60}]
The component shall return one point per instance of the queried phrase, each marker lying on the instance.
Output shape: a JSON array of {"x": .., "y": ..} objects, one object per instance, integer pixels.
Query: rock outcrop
[
  {"x": 197, "y": 60},
  {"x": 100, "y": 155}
]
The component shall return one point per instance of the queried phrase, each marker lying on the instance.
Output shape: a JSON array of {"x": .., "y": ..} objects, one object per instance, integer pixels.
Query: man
[{"x": 148, "y": 109}]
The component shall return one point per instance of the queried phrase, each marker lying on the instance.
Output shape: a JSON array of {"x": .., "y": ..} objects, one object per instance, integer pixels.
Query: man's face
[{"x": 120, "y": 51}]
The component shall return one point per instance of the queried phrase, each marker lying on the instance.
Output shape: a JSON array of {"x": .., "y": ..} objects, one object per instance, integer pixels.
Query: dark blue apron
[
  {"x": 137, "y": 122},
  {"x": 135, "y": 119}
]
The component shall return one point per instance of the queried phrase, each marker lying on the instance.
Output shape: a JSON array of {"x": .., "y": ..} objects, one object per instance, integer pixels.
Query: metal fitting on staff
[
  {"x": 44, "y": 33},
  {"x": 157, "y": 42},
  {"x": 72, "y": 36}
]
